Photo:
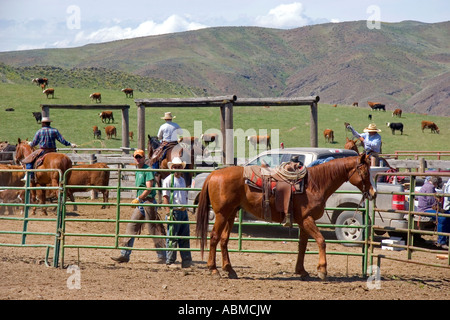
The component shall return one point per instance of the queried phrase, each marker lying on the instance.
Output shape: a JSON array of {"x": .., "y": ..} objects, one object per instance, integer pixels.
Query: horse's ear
[
  {"x": 149, "y": 138},
  {"x": 362, "y": 158},
  {"x": 18, "y": 140}
]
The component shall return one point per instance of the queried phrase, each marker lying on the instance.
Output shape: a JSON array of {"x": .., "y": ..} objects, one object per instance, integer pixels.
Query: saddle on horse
[
  {"x": 160, "y": 153},
  {"x": 37, "y": 157},
  {"x": 281, "y": 183}
]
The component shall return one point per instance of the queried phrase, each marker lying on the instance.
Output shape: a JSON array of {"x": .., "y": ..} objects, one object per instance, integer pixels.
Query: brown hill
[{"x": 403, "y": 64}]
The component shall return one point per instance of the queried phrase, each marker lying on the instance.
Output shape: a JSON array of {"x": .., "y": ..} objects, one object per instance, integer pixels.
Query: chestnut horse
[
  {"x": 226, "y": 191},
  {"x": 52, "y": 160},
  {"x": 351, "y": 145}
]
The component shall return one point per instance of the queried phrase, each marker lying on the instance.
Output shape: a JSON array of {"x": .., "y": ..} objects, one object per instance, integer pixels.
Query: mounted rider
[
  {"x": 167, "y": 134},
  {"x": 46, "y": 139}
]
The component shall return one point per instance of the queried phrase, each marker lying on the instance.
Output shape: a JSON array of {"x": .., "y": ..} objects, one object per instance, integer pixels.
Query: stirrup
[{"x": 287, "y": 222}]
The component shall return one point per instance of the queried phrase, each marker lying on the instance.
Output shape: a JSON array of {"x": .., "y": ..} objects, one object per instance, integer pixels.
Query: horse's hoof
[
  {"x": 232, "y": 275},
  {"x": 322, "y": 275}
]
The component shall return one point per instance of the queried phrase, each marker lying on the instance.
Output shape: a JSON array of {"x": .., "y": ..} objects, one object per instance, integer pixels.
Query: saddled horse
[
  {"x": 52, "y": 160},
  {"x": 226, "y": 191},
  {"x": 186, "y": 148}
]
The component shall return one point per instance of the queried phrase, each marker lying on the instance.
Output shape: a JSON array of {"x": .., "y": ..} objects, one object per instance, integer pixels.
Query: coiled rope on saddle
[{"x": 290, "y": 175}]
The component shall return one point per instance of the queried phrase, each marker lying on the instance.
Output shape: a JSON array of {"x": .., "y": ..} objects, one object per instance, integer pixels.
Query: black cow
[
  {"x": 379, "y": 106},
  {"x": 37, "y": 116},
  {"x": 395, "y": 126}
]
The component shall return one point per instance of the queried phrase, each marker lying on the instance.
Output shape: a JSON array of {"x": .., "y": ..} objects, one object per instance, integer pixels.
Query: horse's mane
[{"x": 322, "y": 174}]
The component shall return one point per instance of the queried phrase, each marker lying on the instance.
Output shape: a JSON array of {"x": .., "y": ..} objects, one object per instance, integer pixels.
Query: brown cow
[
  {"x": 49, "y": 91},
  {"x": 106, "y": 115},
  {"x": 110, "y": 131},
  {"x": 128, "y": 92},
  {"x": 10, "y": 179},
  {"x": 397, "y": 112},
  {"x": 329, "y": 135},
  {"x": 355, "y": 104},
  {"x": 97, "y": 133},
  {"x": 89, "y": 178},
  {"x": 97, "y": 96},
  {"x": 131, "y": 134},
  {"x": 11, "y": 196},
  {"x": 430, "y": 125},
  {"x": 254, "y": 140}
]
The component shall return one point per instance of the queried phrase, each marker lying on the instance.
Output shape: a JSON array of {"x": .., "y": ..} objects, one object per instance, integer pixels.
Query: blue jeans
[
  {"x": 178, "y": 230},
  {"x": 443, "y": 225},
  {"x": 144, "y": 213}
]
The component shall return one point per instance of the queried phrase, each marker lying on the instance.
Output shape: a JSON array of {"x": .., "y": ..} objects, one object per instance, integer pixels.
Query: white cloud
[
  {"x": 284, "y": 16},
  {"x": 172, "y": 24}
]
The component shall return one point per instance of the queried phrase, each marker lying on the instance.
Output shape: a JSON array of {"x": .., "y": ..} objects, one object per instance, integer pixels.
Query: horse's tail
[{"x": 203, "y": 216}]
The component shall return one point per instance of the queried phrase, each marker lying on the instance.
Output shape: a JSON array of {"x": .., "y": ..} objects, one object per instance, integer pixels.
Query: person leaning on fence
[
  {"x": 176, "y": 180},
  {"x": 443, "y": 223},
  {"x": 143, "y": 179}
]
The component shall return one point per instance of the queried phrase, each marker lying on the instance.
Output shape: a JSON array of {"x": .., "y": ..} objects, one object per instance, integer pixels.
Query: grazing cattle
[
  {"x": 395, "y": 126},
  {"x": 97, "y": 133},
  {"x": 106, "y": 115},
  {"x": 128, "y": 92},
  {"x": 209, "y": 137},
  {"x": 110, "y": 131},
  {"x": 254, "y": 140},
  {"x": 97, "y": 96},
  {"x": 430, "y": 125},
  {"x": 9, "y": 109},
  {"x": 334, "y": 105},
  {"x": 369, "y": 117},
  {"x": 397, "y": 112},
  {"x": 49, "y": 91},
  {"x": 355, "y": 104},
  {"x": 40, "y": 81},
  {"x": 329, "y": 135},
  {"x": 131, "y": 134},
  {"x": 37, "y": 116},
  {"x": 90, "y": 179}
]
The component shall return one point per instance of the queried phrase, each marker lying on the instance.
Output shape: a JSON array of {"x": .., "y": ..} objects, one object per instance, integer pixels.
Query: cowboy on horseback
[
  {"x": 167, "y": 134},
  {"x": 46, "y": 139}
]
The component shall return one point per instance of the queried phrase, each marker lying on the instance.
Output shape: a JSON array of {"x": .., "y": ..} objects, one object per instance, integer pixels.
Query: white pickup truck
[{"x": 310, "y": 156}]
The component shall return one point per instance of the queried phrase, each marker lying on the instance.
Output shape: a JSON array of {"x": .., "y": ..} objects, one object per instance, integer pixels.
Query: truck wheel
[{"x": 349, "y": 218}]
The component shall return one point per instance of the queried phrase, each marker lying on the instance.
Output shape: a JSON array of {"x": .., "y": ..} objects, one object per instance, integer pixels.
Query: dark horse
[
  {"x": 52, "y": 160},
  {"x": 226, "y": 191},
  {"x": 187, "y": 149}
]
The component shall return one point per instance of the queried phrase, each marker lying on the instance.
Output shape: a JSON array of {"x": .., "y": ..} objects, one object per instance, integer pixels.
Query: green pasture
[{"x": 292, "y": 123}]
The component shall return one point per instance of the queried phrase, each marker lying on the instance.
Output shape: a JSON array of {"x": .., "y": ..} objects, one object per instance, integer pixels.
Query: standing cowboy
[
  {"x": 46, "y": 139},
  {"x": 168, "y": 135}
]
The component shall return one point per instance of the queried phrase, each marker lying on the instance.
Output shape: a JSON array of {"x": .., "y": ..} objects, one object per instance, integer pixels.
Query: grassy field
[{"x": 292, "y": 122}]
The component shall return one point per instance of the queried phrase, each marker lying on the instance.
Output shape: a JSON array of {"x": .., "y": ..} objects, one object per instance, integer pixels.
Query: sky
[{"x": 35, "y": 24}]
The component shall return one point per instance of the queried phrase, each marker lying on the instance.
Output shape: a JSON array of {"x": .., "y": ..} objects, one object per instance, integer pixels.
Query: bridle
[{"x": 357, "y": 169}]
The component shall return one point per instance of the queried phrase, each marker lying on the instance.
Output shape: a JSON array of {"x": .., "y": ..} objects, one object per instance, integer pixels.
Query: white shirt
[
  {"x": 179, "y": 196},
  {"x": 169, "y": 131},
  {"x": 447, "y": 199}
]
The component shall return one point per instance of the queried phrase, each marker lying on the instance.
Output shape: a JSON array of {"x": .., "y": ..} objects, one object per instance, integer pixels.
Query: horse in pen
[
  {"x": 51, "y": 160},
  {"x": 227, "y": 190}
]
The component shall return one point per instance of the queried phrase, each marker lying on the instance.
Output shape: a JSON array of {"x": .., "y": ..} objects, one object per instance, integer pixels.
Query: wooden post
[
  {"x": 314, "y": 126},
  {"x": 229, "y": 146},
  {"x": 125, "y": 130},
  {"x": 141, "y": 126},
  {"x": 45, "y": 111},
  {"x": 223, "y": 132}
]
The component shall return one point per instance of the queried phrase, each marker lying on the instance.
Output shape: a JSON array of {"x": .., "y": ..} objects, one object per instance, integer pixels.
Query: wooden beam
[
  {"x": 186, "y": 102},
  {"x": 296, "y": 101}
]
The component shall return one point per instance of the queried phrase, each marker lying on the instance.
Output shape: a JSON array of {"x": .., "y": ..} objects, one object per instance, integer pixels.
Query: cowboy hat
[
  {"x": 372, "y": 128},
  {"x": 176, "y": 161},
  {"x": 46, "y": 119},
  {"x": 168, "y": 116}
]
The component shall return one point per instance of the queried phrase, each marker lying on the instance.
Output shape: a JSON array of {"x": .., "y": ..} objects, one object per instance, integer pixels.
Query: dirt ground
[{"x": 90, "y": 274}]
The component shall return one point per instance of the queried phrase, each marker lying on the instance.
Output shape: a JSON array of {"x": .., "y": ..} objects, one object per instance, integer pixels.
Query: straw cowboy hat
[
  {"x": 168, "y": 116},
  {"x": 372, "y": 128},
  {"x": 176, "y": 161},
  {"x": 46, "y": 119}
]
